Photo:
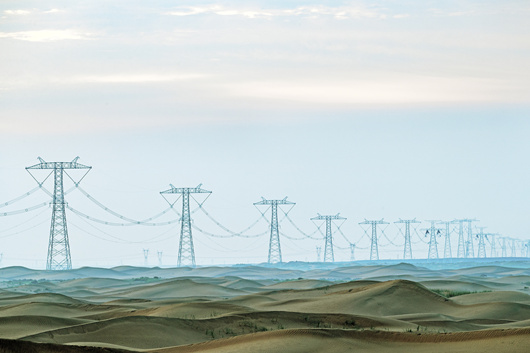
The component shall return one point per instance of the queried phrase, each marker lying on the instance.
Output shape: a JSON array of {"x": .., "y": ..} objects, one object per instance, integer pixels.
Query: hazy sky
[{"x": 368, "y": 108}]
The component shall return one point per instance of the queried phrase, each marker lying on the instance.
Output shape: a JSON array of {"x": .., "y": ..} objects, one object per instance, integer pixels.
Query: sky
[{"x": 374, "y": 109}]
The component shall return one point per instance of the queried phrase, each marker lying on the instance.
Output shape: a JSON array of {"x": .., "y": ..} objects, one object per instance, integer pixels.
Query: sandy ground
[{"x": 288, "y": 308}]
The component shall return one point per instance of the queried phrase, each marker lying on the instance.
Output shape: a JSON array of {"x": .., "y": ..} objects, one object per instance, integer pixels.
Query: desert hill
[{"x": 396, "y": 307}]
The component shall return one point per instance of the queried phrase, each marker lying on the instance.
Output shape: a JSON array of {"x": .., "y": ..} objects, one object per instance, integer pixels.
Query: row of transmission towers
[{"x": 59, "y": 257}]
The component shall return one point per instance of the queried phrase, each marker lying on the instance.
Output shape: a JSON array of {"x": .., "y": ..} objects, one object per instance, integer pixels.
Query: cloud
[
  {"x": 375, "y": 91},
  {"x": 53, "y": 11},
  {"x": 134, "y": 78},
  {"x": 218, "y": 10},
  {"x": 32, "y": 11},
  {"x": 17, "y": 12},
  {"x": 342, "y": 12},
  {"x": 46, "y": 35}
]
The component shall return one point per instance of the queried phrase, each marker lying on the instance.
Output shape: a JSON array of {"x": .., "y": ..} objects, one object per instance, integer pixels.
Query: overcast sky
[{"x": 374, "y": 109}]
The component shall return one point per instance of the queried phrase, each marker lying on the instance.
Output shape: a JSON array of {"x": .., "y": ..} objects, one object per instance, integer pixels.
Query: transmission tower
[
  {"x": 433, "y": 244},
  {"x": 527, "y": 245},
  {"x": 328, "y": 246},
  {"x": 503, "y": 247},
  {"x": 407, "y": 251},
  {"x": 352, "y": 252},
  {"x": 319, "y": 251},
  {"x": 512, "y": 247},
  {"x": 481, "y": 244},
  {"x": 465, "y": 248},
  {"x": 374, "y": 250},
  {"x": 159, "y": 255},
  {"x": 186, "y": 256},
  {"x": 58, "y": 246},
  {"x": 447, "y": 246},
  {"x": 275, "y": 251},
  {"x": 492, "y": 242},
  {"x": 146, "y": 256},
  {"x": 469, "y": 243},
  {"x": 461, "y": 244}
]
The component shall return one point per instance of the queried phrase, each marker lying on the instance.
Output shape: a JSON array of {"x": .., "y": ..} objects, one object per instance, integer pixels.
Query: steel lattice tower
[
  {"x": 469, "y": 243},
  {"x": 461, "y": 243},
  {"x": 59, "y": 257},
  {"x": 374, "y": 250},
  {"x": 447, "y": 245},
  {"x": 503, "y": 247},
  {"x": 407, "y": 251},
  {"x": 481, "y": 243},
  {"x": 186, "y": 254},
  {"x": 146, "y": 257},
  {"x": 352, "y": 252},
  {"x": 527, "y": 245},
  {"x": 275, "y": 250},
  {"x": 433, "y": 244},
  {"x": 328, "y": 246},
  {"x": 319, "y": 251},
  {"x": 512, "y": 247},
  {"x": 465, "y": 248},
  {"x": 493, "y": 247},
  {"x": 159, "y": 255}
]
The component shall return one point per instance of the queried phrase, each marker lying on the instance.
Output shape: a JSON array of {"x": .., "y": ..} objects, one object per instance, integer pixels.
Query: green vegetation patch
[{"x": 448, "y": 293}]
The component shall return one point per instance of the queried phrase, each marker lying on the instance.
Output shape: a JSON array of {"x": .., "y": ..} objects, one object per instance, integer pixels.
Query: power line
[
  {"x": 23, "y": 196},
  {"x": 143, "y": 223},
  {"x": 25, "y": 210}
]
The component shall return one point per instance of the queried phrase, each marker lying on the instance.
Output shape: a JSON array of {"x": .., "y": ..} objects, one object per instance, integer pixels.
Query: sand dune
[
  {"x": 178, "y": 289},
  {"x": 138, "y": 332},
  {"x": 21, "y": 326},
  {"x": 490, "y": 297},
  {"x": 40, "y": 298},
  {"x": 373, "y": 299},
  {"x": 456, "y": 285},
  {"x": 326, "y": 340},
  {"x": 299, "y": 284},
  {"x": 316, "y": 308}
]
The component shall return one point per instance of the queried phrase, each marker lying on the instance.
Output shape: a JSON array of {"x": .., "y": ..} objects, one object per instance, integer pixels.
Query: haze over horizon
[{"x": 374, "y": 109}]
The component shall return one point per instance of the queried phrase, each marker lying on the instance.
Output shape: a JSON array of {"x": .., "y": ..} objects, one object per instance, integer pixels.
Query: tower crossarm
[
  {"x": 323, "y": 218},
  {"x": 59, "y": 165},
  {"x": 381, "y": 221},
  {"x": 274, "y": 202},
  {"x": 407, "y": 221},
  {"x": 195, "y": 190},
  {"x": 464, "y": 220}
]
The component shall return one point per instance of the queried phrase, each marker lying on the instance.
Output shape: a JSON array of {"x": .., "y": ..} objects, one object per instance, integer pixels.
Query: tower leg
[
  {"x": 328, "y": 249},
  {"x": 407, "y": 252},
  {"x": 186, "y": 255},
  {"x": 275, "y": 252},
  {"x": 461, "y": 244},
  {"x": 447, "y": 248},
  {"x": 374, "y": 251},
  {"x": 470, "y": 252},
  {"x": 58, "y": 247}
]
